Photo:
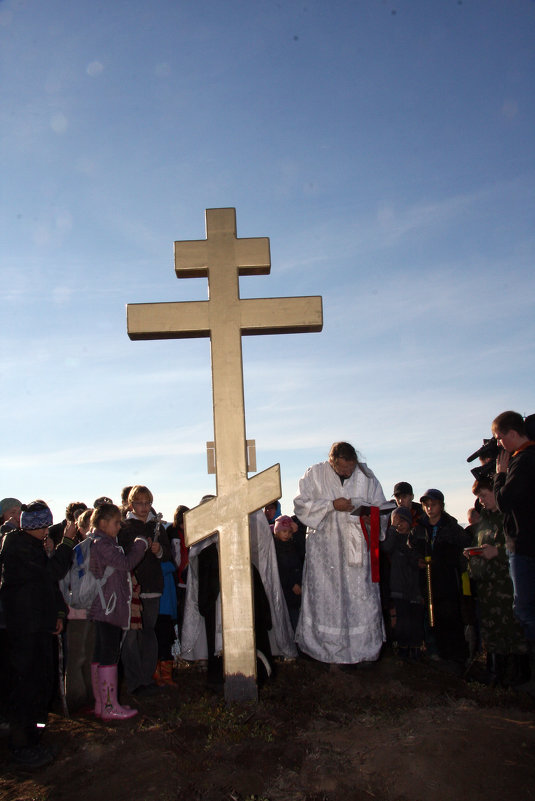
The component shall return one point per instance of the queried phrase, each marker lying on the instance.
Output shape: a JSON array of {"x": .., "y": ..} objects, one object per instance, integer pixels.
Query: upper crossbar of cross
[{"x": 225, "y": 317}]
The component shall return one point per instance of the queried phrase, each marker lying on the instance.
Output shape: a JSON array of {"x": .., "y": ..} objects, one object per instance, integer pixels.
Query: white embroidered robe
[{"x": 341, "y": 619}]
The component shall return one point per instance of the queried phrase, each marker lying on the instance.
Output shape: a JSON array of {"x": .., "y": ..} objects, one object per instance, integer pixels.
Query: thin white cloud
[
  {"x": 95, "y": 68},
  {"x": 59, "y": 122},
  {"x": 392, "y": 221},
  {"x": 104, "y": 449}
]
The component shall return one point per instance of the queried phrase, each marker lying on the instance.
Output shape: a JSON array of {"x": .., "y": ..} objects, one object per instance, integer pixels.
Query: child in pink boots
[{"x": 111, "y": 608}]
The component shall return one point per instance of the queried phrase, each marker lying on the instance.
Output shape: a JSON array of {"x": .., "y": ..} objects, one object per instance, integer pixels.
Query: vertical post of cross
[
  {"x": 225, "y": 318},
  {"x": 222, "y": 257}
]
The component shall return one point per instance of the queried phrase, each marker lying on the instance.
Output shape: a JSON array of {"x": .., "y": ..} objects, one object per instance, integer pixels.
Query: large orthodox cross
[{"x": 225, "y": 317}]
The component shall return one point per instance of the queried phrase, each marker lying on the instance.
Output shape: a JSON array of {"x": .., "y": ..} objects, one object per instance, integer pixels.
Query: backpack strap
[{"x": 108, "y": 607}]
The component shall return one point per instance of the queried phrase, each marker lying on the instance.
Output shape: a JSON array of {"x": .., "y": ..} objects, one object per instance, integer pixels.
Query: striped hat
[{"x": 36, "y": 515}]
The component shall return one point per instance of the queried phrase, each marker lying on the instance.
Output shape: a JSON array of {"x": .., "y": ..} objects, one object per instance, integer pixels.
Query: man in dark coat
[
  {"x": 34, "y": 612},
  {"x": 514, "y": 490}
]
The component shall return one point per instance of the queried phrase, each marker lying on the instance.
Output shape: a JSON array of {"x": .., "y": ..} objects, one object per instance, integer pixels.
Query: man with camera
[{"x": 514, "y": 490}]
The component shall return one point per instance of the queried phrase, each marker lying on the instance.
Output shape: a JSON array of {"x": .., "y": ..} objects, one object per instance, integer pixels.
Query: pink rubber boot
[
  {"x": 97, "y": 711},
  {"x": 110, "y": 706}
]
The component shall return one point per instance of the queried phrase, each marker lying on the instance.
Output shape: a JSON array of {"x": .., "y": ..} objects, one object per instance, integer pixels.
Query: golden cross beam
[{"x": 225, "y": 318}]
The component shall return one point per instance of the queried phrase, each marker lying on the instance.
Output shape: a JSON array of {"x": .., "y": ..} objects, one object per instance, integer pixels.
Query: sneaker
[
  {"x": 34, "y": 756},
  {"x": 145, "y": 690}
]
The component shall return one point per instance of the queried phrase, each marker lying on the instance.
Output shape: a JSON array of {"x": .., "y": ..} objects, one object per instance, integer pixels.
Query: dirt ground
[{"x": 394, "y": 732}]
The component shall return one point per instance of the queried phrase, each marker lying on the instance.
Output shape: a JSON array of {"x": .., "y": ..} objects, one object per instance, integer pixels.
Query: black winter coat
[
  {"x": 515, "y": 492},
  {"x": 405, "y": 574},
  {"x": 446, "y": 551},
  {"x": 149, "y": 571},
  {"x": 29, "y": 582}
]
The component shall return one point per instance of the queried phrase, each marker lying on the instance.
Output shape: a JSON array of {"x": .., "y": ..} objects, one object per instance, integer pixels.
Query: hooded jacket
[
  {"x": 515, "y": 492},
  {"x": 117, "y": 590},
  {"x": 29, "y": 582}
]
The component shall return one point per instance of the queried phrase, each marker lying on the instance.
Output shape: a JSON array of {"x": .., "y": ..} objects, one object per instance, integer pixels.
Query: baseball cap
[
  {"x": 403, "y": 488},
  {"x": 433, "y": 494}
]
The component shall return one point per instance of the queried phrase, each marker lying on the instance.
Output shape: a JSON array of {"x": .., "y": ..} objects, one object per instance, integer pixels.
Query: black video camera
[
  {"x": 487, "y": 470},
  {"x": 489, "y": 451}
]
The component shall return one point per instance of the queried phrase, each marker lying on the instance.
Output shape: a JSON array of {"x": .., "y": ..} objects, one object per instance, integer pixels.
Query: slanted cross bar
[{"x": 225, "y": 317}]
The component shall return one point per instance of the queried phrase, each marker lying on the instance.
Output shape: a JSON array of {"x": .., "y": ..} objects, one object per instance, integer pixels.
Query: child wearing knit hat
[
  {"x": 290, "y": 564},
  {"x": 34, "y": 613},
  {"x": 406, "y": 600}
]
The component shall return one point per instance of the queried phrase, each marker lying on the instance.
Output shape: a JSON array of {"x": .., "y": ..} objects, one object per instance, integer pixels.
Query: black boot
[
  {"x": 520, "y": 670},
  {"x": 496, "y": 664}
]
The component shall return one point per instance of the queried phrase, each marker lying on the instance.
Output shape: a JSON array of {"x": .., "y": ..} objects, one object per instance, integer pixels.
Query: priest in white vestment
[{"x": 341, "y": 620}]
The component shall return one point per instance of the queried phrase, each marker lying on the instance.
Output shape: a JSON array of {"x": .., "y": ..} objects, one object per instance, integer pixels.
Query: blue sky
[{"x": 384, "y": 147}]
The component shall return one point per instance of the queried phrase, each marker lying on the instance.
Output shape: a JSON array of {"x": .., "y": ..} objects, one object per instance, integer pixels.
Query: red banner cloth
[{"x": 372, "y": 540}]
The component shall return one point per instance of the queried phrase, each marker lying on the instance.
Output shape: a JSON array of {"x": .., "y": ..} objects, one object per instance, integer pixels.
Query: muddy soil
[{"x": 394, "y": 732}]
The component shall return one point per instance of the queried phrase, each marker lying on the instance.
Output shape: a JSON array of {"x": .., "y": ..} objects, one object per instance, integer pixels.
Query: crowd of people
[{"x": 112, "y": 591}]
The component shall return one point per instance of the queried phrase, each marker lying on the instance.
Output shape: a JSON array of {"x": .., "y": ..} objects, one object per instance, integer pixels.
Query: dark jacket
[
  {"x": 404, "y": 570},
  {"x": 290, "y": 564},
  {"x": 148, "y": 572},
  {"x": 177, "y": 533},
  {"x": 515, "y": 492},
  {"x": 29, "y": 582},
  {"x": 444, "y": 543},
  {"x": 55, "y": 532}
]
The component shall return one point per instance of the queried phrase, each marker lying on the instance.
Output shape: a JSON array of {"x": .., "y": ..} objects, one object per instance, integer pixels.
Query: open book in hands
[{"x": 363, "y": 510}]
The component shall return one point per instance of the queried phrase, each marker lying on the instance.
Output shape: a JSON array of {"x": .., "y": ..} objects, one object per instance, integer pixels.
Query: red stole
[{"x": 372, "y": 540}]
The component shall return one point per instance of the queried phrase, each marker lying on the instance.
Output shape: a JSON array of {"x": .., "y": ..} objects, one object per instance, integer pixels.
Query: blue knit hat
[{"x": 36, "y": 515}]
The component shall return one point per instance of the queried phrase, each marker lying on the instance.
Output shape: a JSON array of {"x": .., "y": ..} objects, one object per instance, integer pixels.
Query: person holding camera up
[{"x": 514, "y": 490}]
